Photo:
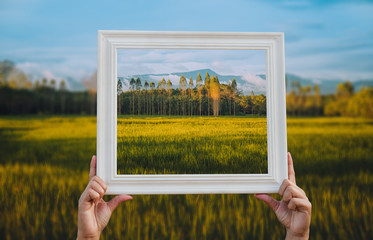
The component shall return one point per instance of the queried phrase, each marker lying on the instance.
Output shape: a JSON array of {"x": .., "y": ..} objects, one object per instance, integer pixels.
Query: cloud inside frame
[{"x": 159, "y": 61}]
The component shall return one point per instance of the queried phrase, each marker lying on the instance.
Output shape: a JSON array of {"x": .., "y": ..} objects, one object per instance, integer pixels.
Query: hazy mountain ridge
[
  {"x": 243, "y": 85},
  {"x": 327, "y": 86}
]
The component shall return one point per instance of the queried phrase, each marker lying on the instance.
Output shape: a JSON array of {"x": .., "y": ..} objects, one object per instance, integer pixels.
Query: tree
[
  {"x": 119, "y": 92},
  {"x": 163, "y": 87},
  {"x": 234, "y": 91},
  {"x": 199, "y": 86},
  {"x": 90, "y": 83},
  {"x": 190, "y": 95},
  {"x": 344, "y": 90},
  {"x": 318, "y": 99},
  {"x": 138, "y": 89},
  {"x": 207, "y": 86},
  {"x": 146, "y": 87},
  {"x": 6, "y": 67},
  {"x": 253, "y": 103},
  {"x": 361, "y": 104},
  {"x": 169, "y": 90},
  {"x": 215, "y": 95},
  {"x": 182, "y": 87},
  {"x": 132, "y": 89},
  {"x": 62, "y": 90},
  {"x": 52, "y": 99},
  {"x": 152, "y": 87}
]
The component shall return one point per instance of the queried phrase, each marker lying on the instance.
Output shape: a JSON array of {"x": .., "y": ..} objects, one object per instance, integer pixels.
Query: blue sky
[
  {"x": 246, "y": 64},
  {"x": 323, "y": 39}
]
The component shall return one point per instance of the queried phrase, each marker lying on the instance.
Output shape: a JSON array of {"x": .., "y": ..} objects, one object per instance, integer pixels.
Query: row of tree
[
  {"x": 198, "y": 98},
  {"x": 307, "y": 101},
  {"x": 20, "y": 95}
]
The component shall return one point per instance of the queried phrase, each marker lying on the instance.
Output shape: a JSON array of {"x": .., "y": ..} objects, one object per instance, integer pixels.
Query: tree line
[
  {"x": 307, "y": 101},
  {"x": 20, "y": 95},
  {"x": 192, "y": 98}
]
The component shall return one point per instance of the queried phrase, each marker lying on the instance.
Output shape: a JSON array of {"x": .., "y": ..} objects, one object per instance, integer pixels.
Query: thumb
[
  {"x": 113, "y": 203},
  {"x": 270, "y": 201}
]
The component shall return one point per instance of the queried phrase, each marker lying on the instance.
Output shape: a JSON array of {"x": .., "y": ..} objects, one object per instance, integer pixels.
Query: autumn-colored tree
[
  {"x": 215, "y": 95},
  {"x": 207, "y": 87}
]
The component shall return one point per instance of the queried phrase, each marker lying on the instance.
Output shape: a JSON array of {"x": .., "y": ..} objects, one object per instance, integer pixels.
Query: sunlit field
[
  {"x": 44, "y": 168},
  {"x": 192, "y": 145}
]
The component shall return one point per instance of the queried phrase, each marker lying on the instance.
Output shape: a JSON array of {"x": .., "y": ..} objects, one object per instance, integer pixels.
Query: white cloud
[{"x": 253, "y": 79}]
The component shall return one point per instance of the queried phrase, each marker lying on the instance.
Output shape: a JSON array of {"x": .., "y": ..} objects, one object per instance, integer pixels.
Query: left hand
[{"x": 94, "y": 213}]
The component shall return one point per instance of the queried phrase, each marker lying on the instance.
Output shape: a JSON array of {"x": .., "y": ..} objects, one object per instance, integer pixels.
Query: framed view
[{"x": 191, "y": 112}]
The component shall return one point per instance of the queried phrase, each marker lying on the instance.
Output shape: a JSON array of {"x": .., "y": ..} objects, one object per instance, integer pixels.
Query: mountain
[
  {"x": 246, "y": 84},
  {"x": 243, "y": 85},
  {"x": 327, "y": 86},
  {"x": 74, "y": 85}
]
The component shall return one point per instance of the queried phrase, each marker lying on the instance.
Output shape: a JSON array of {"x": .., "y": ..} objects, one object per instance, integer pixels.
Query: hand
[
  {"x": 94, "y": 213},
  {"x": 294, "y": 210}
]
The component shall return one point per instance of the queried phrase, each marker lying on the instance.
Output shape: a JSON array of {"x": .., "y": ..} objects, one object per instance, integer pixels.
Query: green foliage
[
  {"x": 361, "y": 104},
  {"x": 44, "y": 169},
  {"x": 347, "y": 104}
]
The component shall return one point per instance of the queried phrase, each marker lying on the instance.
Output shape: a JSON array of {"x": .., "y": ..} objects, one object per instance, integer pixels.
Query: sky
[
  {"x": 246, "y": 64},
  {"x": 323, "y": 39}
]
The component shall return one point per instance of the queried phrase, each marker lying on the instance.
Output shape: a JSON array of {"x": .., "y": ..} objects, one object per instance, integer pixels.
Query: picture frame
[{"x": 110, "y": 41}]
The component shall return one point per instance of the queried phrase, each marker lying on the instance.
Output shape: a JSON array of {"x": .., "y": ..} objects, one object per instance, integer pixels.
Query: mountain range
[{"x": 246, "y": 84}]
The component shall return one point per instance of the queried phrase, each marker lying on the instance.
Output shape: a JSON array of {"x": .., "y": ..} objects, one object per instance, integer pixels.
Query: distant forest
[
  {"x": 18, "y": 95},
  {"x": 192, "y": 98}
]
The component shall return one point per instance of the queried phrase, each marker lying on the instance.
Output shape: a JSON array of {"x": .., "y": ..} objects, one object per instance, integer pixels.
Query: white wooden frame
[{"x": 108, "y": 44}]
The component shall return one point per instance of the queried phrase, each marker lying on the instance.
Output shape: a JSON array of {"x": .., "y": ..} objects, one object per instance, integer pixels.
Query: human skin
[
  {"x": 94, "y": 213},
  {"x": 294, "y": 210}
]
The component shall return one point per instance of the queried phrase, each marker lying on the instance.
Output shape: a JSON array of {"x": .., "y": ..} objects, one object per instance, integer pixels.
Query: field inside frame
[{"x": 191, "y": 145}]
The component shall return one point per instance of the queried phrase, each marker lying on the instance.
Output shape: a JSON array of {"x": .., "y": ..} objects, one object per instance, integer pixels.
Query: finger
[
  {"x": 92, "y": 170},
  {"x": 99, "y": 181},
  {"x": 91, "y": 195},
  {"x": 284, "y": 185},
  {"x": 293, "y": 191},
  {"x": 300, "y": 204},
  {"x": 291, "y": 172},
  {"x": 113, "y": 203},
  {"x": 98, "y": 188},
  {"x": 270, "y": 201}
]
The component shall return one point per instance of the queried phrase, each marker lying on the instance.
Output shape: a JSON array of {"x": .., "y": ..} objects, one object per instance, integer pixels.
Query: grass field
[
  {"x": 44, "y": 168},
  {"x": 192, "y": 145}
]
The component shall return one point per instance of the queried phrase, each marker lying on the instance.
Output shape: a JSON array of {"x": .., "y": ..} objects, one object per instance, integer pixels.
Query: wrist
[
  {"x": 290, "y": 235},
  {"x": 87, "y": 237}
]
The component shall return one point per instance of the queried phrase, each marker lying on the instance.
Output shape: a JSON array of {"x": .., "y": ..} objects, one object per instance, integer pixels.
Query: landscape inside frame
[{"x": 189, "y": 111}]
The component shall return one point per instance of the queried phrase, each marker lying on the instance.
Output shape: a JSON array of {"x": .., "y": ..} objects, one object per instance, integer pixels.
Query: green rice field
[
  {"x": 44, "y": 167},
  {"x": 192, "y": 145}
]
